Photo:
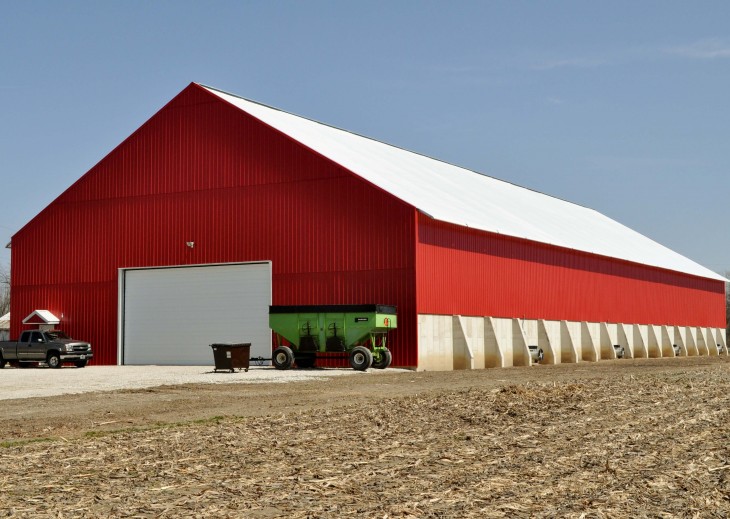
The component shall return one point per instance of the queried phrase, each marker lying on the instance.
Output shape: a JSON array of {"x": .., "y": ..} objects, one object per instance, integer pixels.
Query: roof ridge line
[{"x": 395, "y": 146}]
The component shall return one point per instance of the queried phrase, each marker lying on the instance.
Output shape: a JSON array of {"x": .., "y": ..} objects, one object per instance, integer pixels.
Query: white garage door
[{"x": 172, "y": 315}]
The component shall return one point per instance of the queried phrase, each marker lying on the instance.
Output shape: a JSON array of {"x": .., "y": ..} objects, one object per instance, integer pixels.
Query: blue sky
[{"x": 619, "y": 106}]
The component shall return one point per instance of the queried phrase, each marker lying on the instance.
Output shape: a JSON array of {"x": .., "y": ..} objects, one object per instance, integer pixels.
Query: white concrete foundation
[{"x": 450, "y": 342}]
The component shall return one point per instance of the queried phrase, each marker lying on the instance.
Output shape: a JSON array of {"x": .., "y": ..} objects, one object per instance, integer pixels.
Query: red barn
[{"x": 218, "y": 206}]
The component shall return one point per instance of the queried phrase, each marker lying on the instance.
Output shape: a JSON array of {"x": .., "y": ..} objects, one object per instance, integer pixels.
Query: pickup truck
[{"x": 52, "y": 347}]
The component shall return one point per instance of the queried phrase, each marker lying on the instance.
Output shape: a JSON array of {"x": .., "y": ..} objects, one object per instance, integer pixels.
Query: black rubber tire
[
  {"x": 386, "y": 359},
  {"x": 283, "y": 357},
  {"x": 81, "y": 363},
  {"x": 361, "y": 358},
  {"x": 53, "y": 360},
  {"x": 306, "y": 362},
  {"x": 2, "y": 362}
]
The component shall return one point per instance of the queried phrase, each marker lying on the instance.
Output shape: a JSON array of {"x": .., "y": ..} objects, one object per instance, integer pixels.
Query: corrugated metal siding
[
  {"x": 87, "y": 311},
  {"x": 467, "y": 272},
  {"x": 202, "y": 171},
  {"x": 462, "y": 197}
]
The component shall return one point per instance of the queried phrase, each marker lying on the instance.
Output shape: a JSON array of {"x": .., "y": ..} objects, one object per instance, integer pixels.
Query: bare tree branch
[{"x": 4, "y": 289}]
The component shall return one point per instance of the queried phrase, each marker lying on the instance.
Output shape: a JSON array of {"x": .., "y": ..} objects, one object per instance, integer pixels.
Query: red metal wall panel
[
  {"x": 467, "y": 272},
  {"x": 203, "y": 171}
]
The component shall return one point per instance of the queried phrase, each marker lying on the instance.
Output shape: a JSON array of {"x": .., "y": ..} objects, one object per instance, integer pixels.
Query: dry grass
[{"x": 630, "y": 446}]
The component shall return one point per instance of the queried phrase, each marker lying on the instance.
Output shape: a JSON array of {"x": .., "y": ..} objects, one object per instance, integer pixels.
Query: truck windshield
[{"x": 56, "y": 335}]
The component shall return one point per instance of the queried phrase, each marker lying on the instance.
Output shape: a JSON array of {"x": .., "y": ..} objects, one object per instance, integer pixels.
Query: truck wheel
[
  {"x": 360, "y": 358},
  {"x": 283, "y": 357},
  {"x": 2, "y": 362},
  {"x": 80, "y": 363},
  {"x": 54, "y": 360},
  {"x": 385, "y": 359}
]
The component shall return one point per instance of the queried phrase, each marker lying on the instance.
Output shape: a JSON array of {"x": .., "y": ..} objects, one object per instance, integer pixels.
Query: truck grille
[{"x": 81, "y": 347}]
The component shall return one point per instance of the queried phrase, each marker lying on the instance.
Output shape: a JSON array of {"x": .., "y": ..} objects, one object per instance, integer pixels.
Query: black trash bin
[{"x": 231, "y": 356}]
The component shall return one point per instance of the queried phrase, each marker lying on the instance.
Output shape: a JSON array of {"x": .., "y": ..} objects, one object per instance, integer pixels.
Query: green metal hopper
[{"x": 358, "y": 330}]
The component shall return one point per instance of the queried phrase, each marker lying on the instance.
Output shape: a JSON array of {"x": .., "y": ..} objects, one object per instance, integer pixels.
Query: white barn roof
[{"x": 463, "y": 197}]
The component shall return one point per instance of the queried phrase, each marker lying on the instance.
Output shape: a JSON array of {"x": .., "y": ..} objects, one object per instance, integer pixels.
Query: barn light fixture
[{"x": 190, "y": 244}]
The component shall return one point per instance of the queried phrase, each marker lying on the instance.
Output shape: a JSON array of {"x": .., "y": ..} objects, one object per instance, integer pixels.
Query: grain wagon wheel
[
  {"x": 283, "y": 357},
  {"x": 386, "y": 358},
  {"x": 360, "y": 358},
  {"x": 306, "y": 362}
]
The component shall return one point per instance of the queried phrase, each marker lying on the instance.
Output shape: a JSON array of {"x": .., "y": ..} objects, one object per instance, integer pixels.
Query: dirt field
[{"x": 641, "y": 438}]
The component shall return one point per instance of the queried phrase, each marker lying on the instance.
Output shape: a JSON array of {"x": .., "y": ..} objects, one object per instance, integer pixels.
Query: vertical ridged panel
[
  {"x": 467, "y": 272},
  {"x": 202, "y": 171}
]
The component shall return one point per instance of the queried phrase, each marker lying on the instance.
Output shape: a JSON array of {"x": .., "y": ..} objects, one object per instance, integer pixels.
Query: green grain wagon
[{"x": 360, "y": 331}]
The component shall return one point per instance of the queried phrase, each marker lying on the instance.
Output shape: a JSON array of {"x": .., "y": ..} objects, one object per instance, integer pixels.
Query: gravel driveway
[{"x": 33, "y": 382}]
